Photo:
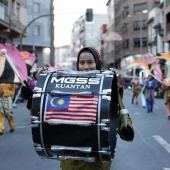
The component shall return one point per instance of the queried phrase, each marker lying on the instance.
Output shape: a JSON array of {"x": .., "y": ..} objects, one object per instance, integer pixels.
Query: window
[
  {"x": 125, "y": 12},
  {"x": 36, "y": 7},
  {"x": 136, "y": 42},
  {"x": 136, "y": 25},
  {"x": 13, "y": 6},
  {"x": 125, "y": 44},
  {"x": 140, "y": 7},
  {"x": 36, "y": 30},
  {"x": 18, "y": 11},
  {"x": 156, "y": 4},
  {"x": 167, "y": 2}
]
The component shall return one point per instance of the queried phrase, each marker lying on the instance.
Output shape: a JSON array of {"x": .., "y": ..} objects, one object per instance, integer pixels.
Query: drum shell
[{"x": 69, "y": 135}]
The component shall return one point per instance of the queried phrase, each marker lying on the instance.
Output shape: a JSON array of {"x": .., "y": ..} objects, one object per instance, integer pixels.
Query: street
[{"x": 150, "y": 149}]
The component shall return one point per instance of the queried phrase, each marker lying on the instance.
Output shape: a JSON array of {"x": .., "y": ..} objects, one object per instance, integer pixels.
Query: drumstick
[{"x": 4, "y": 53}]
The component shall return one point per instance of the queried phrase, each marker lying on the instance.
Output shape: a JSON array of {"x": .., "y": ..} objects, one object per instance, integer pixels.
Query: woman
[
  {"x": 33, "y": 81},
  {"x": 89, "y": 59},
  {"x": 7, "y": 92},
  {"x": 166, "y": 88},
  {"x": 136, "y": 89},
  {"x": 149, "y": 93}
]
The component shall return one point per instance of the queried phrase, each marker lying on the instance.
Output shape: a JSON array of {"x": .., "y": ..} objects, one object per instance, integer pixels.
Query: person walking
[
  {"x": 150, "y": 93},
  {"x": 7, "y": 92},
  {"x": 136, "y": 89},
  {"x": 89, "y": 59},
  {"x": 166, "y": 88},
  {"x": 33, "y": 81}
]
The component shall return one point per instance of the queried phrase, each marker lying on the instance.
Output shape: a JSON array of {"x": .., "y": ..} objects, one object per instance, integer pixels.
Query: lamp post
[{"x": 29, "y": 25}]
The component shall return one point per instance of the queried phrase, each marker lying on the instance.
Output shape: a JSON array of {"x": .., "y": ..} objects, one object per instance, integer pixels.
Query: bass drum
[{"x": 74, "y": 115}]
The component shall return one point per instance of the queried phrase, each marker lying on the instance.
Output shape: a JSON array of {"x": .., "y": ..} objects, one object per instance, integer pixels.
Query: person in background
[
  {"x": 136, "y": 89},
  {"x": 33, "y": 81},
  {"x": 89, "y": 59},
  {"x": 166, "y": 88},
  {"x": 7, "y": 92},
  {"x": 150, "y": 93}
]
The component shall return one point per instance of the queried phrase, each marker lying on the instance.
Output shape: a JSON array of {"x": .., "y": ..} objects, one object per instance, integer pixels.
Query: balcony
[{"x": 9, "y": 24}]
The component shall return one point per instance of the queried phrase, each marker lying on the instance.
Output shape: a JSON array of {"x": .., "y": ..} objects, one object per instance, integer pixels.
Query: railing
[{"x": 4, "y": 13}]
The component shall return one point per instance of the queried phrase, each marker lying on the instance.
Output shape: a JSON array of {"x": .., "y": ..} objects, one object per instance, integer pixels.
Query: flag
[
  {"x": 67, "y": 109},
  {"x": 29, "y": 59},
  {"x": 7, "y": 74}
]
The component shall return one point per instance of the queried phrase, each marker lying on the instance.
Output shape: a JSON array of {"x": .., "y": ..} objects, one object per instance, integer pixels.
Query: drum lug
[
  {"x": 104, "y": 124},
  {"x": 87, "y": 159},
  {"x": 34, "y": 118},
  {"x": 106, "y": 97},
  {"x": 37, "y": 94},
  {"x": 59, "y": 148},
  {"x": 105, "y": 120},
  {"x": 36, "y": 122},
  {"x": 34, "y": 125},
  {"x": 105, "y": 129},
  {"x": 38, "y": 147}
]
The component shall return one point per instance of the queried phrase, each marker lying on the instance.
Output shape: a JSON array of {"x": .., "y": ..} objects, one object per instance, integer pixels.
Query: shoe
[
  {"x": 168, "y": 117},
  {"x": 1, "y": 133},
  {"x": 148, "y": 111},
  {"x": 11, "y": 131}
]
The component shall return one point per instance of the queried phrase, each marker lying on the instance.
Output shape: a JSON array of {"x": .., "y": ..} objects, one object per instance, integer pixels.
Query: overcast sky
[{"x": 68, "y": 11}]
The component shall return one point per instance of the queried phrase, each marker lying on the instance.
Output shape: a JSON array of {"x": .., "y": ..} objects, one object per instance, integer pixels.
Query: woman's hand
[{"x": 26, "y": 91}]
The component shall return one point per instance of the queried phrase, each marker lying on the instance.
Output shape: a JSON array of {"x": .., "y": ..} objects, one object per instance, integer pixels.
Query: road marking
[
  {"x": 163, "y": 143},
  {"x": 136, "y": 113},
  {"x": 166, "y": 168},
  {"x": 20, "y": 127}
]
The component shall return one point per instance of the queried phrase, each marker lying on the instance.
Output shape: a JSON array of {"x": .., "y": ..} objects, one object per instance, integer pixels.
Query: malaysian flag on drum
[{"x": 66, "y": 109}]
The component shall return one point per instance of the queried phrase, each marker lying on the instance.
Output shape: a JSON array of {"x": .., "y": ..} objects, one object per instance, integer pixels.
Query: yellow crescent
[{"x": 52, "y": 101}]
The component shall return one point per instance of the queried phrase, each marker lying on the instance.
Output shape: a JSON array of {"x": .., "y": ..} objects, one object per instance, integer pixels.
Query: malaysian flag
[{"x": 67, "y": 109}]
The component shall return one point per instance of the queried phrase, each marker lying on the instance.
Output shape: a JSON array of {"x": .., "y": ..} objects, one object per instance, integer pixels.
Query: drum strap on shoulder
[{"x": 120, "y": 102}]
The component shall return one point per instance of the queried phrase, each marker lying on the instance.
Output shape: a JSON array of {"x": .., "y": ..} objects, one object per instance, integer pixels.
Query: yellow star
[{"x": 60, "y": 102}]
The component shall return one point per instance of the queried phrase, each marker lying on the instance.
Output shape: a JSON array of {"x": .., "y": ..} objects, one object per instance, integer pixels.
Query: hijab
[{"x": 95, "y": 54}]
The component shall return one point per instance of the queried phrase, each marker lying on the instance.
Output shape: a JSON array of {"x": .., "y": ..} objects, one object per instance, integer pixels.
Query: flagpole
[{"x": 4, "y": 53}]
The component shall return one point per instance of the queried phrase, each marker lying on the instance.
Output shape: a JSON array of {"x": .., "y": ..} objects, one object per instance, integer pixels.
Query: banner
[{"x": 7, "y": 74}]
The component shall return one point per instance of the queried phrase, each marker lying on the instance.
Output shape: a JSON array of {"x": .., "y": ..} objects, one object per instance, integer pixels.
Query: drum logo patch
[{"x": 75, "y": 83}]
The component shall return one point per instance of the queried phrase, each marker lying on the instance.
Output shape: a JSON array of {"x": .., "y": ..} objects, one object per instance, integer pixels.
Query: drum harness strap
[{"x": 123, "y": 111}]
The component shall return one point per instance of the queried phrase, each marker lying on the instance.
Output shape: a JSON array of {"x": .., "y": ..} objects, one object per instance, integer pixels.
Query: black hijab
[{"x": 95, "y": 54}]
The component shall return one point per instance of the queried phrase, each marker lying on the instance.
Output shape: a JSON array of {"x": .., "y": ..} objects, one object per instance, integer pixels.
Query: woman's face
[{"x": 86, "y": 62}]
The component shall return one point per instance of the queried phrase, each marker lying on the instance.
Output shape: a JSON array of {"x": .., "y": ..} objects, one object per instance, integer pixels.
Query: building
[
  {"x": 87, "y": 33},
  {"x": 155, "y": 24},
  {"x": 130, "y": 17},
  {"x": 12, "y": 19},
  {"x": 167, "y": 21},
  {"x": 38, "y": 31},
  {"x": 63, "y": 57},
  {"x": 109, "y": 58}
]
